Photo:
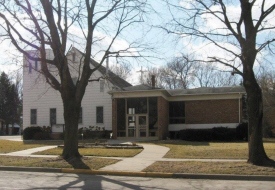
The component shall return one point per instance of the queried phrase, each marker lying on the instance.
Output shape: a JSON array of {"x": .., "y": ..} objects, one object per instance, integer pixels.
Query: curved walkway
[
  {"x": 29, "y": 152},
  {"x": 148, "y": 156}
]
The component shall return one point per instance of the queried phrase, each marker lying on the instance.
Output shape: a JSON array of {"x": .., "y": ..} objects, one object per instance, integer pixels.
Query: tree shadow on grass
[
  {"x": 77, "y": 163},
  {"x": 269, "y": 163}
]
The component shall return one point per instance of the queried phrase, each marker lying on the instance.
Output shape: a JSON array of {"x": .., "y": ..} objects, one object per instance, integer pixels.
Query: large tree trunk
[
  {"x": 71, "y": 116},
  {"x": 257, "y": 153}
]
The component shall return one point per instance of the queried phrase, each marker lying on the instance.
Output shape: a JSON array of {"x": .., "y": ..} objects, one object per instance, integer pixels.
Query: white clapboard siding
[{"x": 39, "y": 95}]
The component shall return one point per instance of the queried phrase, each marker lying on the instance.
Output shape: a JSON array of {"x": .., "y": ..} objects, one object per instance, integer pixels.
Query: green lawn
[
  {"x": 85, "y": 163},
  {"x": 238, "y": 168},
  {"x": 7, "y": 146},
  {"x": 96, "y": 152},
  {"x": 218, "y": 150}
]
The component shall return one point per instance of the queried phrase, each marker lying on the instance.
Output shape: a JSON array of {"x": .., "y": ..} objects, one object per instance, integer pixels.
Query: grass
[
  {"x": 85, "y": 163},
  {"x": 7, "y": 146},
  {"x": 241, "y": 168},
  {"x": 215, "y": 150},
  {"x": 96, "y": 152}
]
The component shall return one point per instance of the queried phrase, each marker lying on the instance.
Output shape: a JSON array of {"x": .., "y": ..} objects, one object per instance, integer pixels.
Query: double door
[{"x": 137, "y": 126}]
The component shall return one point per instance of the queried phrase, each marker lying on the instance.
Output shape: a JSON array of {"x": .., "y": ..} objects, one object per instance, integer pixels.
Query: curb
[
  {"x": 30, "y": 169},
  {"x": 143, "y": 174}
]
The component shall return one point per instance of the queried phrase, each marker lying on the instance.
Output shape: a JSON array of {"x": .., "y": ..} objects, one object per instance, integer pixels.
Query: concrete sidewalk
[
  {"x": 148, "y": 156},
  {"x": 133, "y": 166},
  {"x": 12, "y": 137},
  {"x": 30, "y": 151}
]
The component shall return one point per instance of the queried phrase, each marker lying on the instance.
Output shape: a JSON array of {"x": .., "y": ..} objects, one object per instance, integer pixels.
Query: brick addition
[{"x": 212, "y": 111}]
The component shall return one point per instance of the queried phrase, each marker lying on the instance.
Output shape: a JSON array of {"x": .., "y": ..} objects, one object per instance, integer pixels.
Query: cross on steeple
[{"x": 141, "y": 74}]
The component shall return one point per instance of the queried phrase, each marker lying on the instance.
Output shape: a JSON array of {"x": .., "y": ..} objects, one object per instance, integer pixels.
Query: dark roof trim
[{"x": 185, "y": 92}]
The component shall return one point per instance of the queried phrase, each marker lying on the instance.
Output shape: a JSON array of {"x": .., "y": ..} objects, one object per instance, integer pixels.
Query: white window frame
[{"x": 35, "y": 116}]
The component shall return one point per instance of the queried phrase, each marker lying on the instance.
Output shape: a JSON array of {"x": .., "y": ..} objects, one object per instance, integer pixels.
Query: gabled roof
[
  {"x": 112, "y": 77},
  {"x": 207, "y": 90}
]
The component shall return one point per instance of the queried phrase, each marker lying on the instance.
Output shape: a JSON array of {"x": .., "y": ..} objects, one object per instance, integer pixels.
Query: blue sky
[{"x": 165, "y": 46}]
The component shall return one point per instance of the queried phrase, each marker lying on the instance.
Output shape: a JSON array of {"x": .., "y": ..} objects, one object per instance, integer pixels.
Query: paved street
[{"x": 27, "y": 180}]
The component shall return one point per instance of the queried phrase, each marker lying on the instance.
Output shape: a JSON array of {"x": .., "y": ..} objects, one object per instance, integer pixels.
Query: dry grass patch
[
  {"x": 241, "y": 168},
  {"x": 215, "y": 150},
  {"x": 92, "y": 163},
  {"x": 7, "y": 146},
  {"x": 104, "y": 152}
]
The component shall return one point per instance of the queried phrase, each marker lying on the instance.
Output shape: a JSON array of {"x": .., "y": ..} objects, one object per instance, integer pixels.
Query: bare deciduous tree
[
  {"x": 266, "y": 80},
  {"x": 207, "y": 75},
  {"x": 237, "y": 34},
  {"x": 122, "y": 70},
  {"x": 158, "y": 73},
  {"x": 50, "y": 24},
  {"x": 176, "y": 74}
]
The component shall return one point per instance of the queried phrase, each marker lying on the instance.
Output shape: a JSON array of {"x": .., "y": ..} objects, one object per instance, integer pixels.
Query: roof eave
[{"x": 208, "y": 94}]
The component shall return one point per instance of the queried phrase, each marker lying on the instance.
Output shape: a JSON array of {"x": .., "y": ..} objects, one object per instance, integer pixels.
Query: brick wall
[
  {"x": 163, "y": 117},
  {"x": 212, "y": 111},
  {"x": 114, "y": 118}
]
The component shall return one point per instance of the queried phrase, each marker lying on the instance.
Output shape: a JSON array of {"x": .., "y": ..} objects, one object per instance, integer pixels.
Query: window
[
  {"x": 153, "y": 113},
  {"x": 121, "y": 118},
  {"x": 53, "y": 116},
  {"x": 33, "y": 116},
  {"x": 176, "y": 112},
  {"x": 30, "y": 67},
  {"x": 36, "y": 65},
  {"x": 137, "y": 105},
  {"x": 99, "y": 114},
  {"x": 101, "y": 85},
  {"x": 80, "y": 116}
]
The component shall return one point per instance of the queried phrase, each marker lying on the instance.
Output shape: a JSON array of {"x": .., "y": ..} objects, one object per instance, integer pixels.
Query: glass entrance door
[
  {"x": 142, "y": 126},
  {"x": 131, "y": 126},
  {"x": 137, "y": 126}
]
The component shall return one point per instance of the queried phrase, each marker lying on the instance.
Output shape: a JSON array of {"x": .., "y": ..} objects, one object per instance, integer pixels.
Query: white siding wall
[{"x": 39, "y": 95}]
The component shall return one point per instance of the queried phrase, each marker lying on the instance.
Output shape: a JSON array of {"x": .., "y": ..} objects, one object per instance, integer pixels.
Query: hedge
[
  {"x": 88, "y": 134},
  {"x": 35, "y": 133},
  {"x": 242, "y": 131},
  {"x": 215, "y": 134}
]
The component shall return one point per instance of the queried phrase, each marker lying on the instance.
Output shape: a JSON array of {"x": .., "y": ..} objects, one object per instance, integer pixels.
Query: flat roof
[
  {"x": 207, "y": 90},
  {"x": 183, "y": 92}
]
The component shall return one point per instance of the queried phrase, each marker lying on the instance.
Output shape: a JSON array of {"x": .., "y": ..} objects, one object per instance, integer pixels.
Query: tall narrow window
[
  {"x": 101, "y": 85},
  {"x": 53, "y": 116},
  {"x": 80, "y": 116},
  {"x": 99, "y": 114},
  {"x": 121, "y": 117},
  {"x": 33, "y": 116},
  {"x": 36, "y": 65},
  {"x": 176, "y": 112},
  {"x": 153, "y": 116},
  {"x": 30, "y": 67}
]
